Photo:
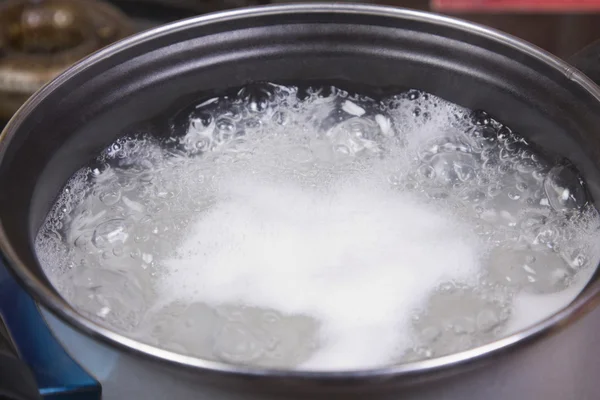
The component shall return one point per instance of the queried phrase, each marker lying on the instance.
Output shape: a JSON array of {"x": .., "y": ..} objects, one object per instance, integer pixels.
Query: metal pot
[{"x": 374, "y": 50}]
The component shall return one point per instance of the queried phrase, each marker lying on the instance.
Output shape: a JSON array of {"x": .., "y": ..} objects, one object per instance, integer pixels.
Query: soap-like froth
[{"x": 358, "y": 258}]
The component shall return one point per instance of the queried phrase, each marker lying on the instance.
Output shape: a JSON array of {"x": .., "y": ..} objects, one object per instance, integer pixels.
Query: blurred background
[{"x": 39, "y": 39}]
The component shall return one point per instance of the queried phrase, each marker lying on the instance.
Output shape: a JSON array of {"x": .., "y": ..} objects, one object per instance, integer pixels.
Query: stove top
[{"x": 32, "y": 355}]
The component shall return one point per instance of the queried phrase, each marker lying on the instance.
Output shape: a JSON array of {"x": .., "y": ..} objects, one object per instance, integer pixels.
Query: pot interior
[{"x": 138, "y": 84}]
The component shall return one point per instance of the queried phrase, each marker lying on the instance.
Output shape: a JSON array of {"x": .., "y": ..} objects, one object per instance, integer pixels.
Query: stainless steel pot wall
[{"x": 375, "y": 50}]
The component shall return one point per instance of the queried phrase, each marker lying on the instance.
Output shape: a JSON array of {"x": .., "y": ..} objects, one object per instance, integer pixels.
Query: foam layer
[{"x": 358, "y": 258}]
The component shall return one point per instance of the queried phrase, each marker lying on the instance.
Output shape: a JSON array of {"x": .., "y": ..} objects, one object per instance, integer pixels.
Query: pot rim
[{"x": 54, "y": 302}]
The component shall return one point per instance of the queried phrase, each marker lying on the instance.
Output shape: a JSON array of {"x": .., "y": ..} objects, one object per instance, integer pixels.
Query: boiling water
[{"x": 320, "y": 230}]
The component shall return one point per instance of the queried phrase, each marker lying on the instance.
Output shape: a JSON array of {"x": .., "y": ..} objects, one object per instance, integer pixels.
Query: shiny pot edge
[{"x": 582, "y": 305}]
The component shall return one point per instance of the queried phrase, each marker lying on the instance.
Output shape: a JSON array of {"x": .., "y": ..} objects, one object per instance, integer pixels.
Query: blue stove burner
[{"x": 58, "y": 376}]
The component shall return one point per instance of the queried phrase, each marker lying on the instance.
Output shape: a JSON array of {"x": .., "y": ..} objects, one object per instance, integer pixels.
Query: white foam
[{"x": 359, "y": 259}]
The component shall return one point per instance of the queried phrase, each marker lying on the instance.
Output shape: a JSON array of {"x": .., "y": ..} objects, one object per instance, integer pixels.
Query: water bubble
[
  {"x": 281, "y": 117},
  {"x": 413, "y": 95},
  {"x": 487, "y": 136},
  {"x": 514, "y": 195},
  {"x": 202, "y": 144},
  {"x": 521, "y": 186},
  {"x": 225, "y": 128},
  {"x": 527, "y": 166},
  {"x": 494, "y": 189},
  {"x": 118, "y": 251},
  {"x": 505, "y": 168},
  {"x": 481, "y": 118},
  {"x": 84, "y": 241},
  {"x": 111, "y": 196},
  {"x": 539, "y": 175},
  {"x": 202, "y": 121},
  {"x": 253, "y": 124},
  {"x": 564, "y": 189},
  {"x": 110, "y": 233},
  {"x": 235, "y": 343},
  {"x": 506, "y": 155},
  {"x": 576, "y": 259},
  {"x": 394, "y": 180},
  {"x": 136, "y": 253},
  {"x": 504, "y": 133},
  {"x": 451, "y": 168},
  {"x": 491, "y": 164}
]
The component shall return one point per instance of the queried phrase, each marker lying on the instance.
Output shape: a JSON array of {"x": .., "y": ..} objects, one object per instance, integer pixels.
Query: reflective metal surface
[{"x": 411, "y": 371}]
